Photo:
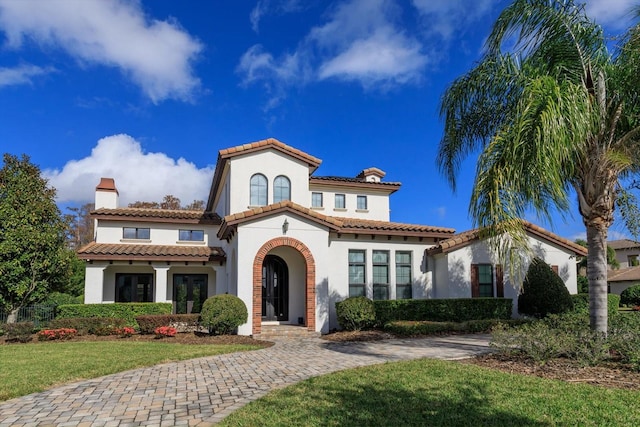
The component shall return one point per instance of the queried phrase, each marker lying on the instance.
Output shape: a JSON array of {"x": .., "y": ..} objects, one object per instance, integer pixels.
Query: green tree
[
  {"x": 555, "y": 112},
  {"x": 33, "y": 253}
]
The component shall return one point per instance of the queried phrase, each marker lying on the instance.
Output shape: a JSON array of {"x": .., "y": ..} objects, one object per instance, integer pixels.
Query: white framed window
[
  {"x": 258, "y": 190},
  {"x": 340, "y": 201},
  {"x": 281, "y": 189},
  {"x": 316, "y": 200},
  {"x": 362, "y": 203}
]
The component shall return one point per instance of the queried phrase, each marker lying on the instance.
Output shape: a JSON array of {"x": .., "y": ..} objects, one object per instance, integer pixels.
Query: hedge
[
  {"x": 89, "y": 325},
  {"x": 414, "y": 328},
  {"x": 443, "y": 310},
  {"x": 182, "y": 322},
  {"x": 581, "y": 303},
  {"x": 126, "y": 311}
]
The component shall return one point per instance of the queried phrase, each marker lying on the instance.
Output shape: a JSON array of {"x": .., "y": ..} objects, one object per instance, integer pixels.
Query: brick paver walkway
[{"x": 203, "y": 391}]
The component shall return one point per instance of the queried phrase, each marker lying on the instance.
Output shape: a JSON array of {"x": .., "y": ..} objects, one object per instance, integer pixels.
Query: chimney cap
[{"x": 107, "y": 184}]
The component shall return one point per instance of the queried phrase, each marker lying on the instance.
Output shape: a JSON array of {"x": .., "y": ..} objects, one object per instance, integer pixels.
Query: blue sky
[{"x": 147, "y": 92}]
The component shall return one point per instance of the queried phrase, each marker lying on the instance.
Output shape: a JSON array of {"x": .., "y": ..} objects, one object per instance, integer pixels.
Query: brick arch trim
[{"x": 310, "y": 285}]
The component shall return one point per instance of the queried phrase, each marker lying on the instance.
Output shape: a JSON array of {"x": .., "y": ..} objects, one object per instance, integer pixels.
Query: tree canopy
[
  {"x": 553, "y": 115},
  {"x": 33, "y": 254},
  {"x": 169, "y": 202}
]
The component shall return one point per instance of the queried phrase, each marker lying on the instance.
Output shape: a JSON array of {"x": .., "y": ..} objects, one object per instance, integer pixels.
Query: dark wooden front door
[{"x": 275, "y": 289}]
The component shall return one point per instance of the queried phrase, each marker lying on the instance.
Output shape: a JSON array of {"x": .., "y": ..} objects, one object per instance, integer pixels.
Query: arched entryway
[{"x": 258, "y": 275}]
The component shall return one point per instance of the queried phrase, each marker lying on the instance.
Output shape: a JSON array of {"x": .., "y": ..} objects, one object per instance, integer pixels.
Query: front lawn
[
  {"x": 29, "y": 368},
  {"x": 431, "y": 392}
]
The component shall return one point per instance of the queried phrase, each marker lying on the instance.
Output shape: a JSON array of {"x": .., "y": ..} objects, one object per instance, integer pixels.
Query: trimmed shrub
[
  {"x": 630, "y": 296},
  {"x": 18, "y": 332},
  {"x": 59, "y": 298},
  {"x": 581, "y": 304},
  {"x": 356, "y": 313},
  {"x": 543, "y": 292},
  {"x": 56, "y": 334},
  {"x": 583, "y": 285},
  {"x": 90, "y": 325},
  {"x": 222, "y": 314},
  {"x": 126, "y": 311},
  {"x": 182, "y": 322},
  {"x": 165, "y": 332},
  {"x": 413, "y": 328},
  {"x": 624, "y": 338},
  {"x": 442, "y": 310}
]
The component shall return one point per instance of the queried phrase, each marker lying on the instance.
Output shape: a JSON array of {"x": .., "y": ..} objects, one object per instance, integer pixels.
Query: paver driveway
[{"x": 205, "y": 390}]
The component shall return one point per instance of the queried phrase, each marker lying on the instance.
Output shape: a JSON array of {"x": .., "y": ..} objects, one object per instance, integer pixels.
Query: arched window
[
  {"x": 258, "y": 190},
  {"x": 281, "y": 189}
]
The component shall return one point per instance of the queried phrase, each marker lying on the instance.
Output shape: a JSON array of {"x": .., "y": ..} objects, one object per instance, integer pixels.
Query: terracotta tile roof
[
  {"x": 119, "y": 251},
  {"x": 157, "y": 215},
  {"x": 623, "y": 244},
  {"x": 341, "y": 181},
  {"x": 631, "y": 274},
  {"x": 466, "y": 238},
  {"x": 336, "y": 224},
  {"x": 266, "y": 144}
]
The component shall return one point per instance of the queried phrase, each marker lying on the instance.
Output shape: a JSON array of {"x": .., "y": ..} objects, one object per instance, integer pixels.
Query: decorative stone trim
[{"x": 310, "y": 287}]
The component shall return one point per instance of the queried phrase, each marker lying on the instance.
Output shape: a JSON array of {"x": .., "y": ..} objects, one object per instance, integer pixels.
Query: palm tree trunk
[{"x": 597, "y": 275}]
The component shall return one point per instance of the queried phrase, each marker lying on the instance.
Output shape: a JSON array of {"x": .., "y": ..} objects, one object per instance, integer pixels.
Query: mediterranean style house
[{"x": 291, "y": 244}]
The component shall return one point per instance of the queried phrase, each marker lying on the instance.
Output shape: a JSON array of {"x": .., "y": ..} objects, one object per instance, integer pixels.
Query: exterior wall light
[{"x": 285, "y": 226}]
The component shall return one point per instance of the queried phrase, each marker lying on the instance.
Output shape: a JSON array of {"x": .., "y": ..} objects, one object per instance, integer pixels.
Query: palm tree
[{"x": 555, "y": 112}]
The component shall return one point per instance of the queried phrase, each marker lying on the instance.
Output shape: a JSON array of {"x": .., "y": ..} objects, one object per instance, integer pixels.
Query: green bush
[
  {"x": 630, "y": 296},
  {"x": 19, "y": 332},
  {"x": 414, "y": 328},
  {"x": 443, "y": 310},
  {"x": 583, "y": 285},
  {"x": 89, "y": 325},
  {"x": 581, "y": 304},
  {"x": 126, "y": 311},
  {"x": 182, "y": 322},
  {"x": 356, "y": 313},
  {"x": 624, "y": 338},
  {"x": 222, "y": 314},
  {"x": 543, "y": 292},
  {"x": 59, "y": 298}
]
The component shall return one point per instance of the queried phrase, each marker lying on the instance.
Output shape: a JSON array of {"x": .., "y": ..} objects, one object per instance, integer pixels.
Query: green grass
[
  {"x": 432, "y": 392},
  {"x": 29, "y": 368}
]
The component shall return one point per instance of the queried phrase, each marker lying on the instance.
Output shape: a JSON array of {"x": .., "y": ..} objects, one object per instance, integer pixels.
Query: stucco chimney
[
  {"x": 106, "y": 194},
  {"x": 371, "y": 175}
]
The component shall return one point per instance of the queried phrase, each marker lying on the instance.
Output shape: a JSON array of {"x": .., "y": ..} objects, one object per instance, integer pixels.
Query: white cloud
[
  {"x": 265, "y": 7},
  {"x": 359, "y": 42},
  {"x": 22, "y": 74},
  {"x": 138, "y": 175},
  {"x": 441, "y": 211},
  {"x": 615, "y": 14},
  {"x": 447, "y": 18},
  {"x": 156, "y": 55}
]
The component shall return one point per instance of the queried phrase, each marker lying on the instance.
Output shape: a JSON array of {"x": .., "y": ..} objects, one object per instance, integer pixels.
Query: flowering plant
[
  {"x": 56, "y": 334},
  {"x": 124, "y": 332},
  {"x": 165, "y": 331}
]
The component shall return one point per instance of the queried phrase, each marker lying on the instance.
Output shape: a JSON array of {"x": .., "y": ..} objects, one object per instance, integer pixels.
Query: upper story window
[
  {"x": 281, "y": 189},
  {"x": 340, "y": 201},
  {"x": 362, "y": 203},
  {"x": 258, "y": 190},
  {"x": 632, "y": 260},
  {"x": 316, "y": 200},
  {"x": 136, "y": 233},
  {"x": 191, "y": 235}
]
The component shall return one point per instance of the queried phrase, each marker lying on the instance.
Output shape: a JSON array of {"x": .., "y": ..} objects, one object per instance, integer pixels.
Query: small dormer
[
  {"x": 106, "y": 194},
  {"x": 371, "y": 175}
]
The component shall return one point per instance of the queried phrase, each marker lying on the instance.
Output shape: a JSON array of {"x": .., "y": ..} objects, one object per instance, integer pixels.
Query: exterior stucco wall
[
  {"x": 377, "y": 203},
  {"x": 618, "y": 287},
  {"x": 160, "y": 233},
  {"x": 271, "y": 164},
  {"x": 623, "y": 254},
  {"x": 459, "y": 269}
]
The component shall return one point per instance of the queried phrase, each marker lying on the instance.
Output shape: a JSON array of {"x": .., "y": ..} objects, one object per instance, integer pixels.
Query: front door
[
  {"x": 189, "y": 292},
  {"x": 275, "y": 289}
]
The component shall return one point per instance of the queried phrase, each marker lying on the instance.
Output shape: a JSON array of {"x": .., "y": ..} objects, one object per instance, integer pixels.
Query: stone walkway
[{"x": 204, "y": 391}]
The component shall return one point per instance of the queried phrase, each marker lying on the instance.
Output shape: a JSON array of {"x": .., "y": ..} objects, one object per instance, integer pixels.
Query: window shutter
[
  {"x": 499, "y": 281},
  {"x": 475, "y": 284},
  {"x": 554, "y": 268}
]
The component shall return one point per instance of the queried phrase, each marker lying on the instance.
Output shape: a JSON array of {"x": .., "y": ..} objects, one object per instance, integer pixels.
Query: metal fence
[{"x": 40, "y": 315}]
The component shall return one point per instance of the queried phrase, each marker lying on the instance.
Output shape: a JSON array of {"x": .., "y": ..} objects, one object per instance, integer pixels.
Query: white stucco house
[{"x": 290, "y": 244}]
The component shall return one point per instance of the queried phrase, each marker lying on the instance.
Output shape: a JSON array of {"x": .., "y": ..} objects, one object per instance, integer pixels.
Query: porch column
[
  {"x": 94, "y": 283},
  {"x": 162, "y": 274},
  {"x": 221, "y": 280}
]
